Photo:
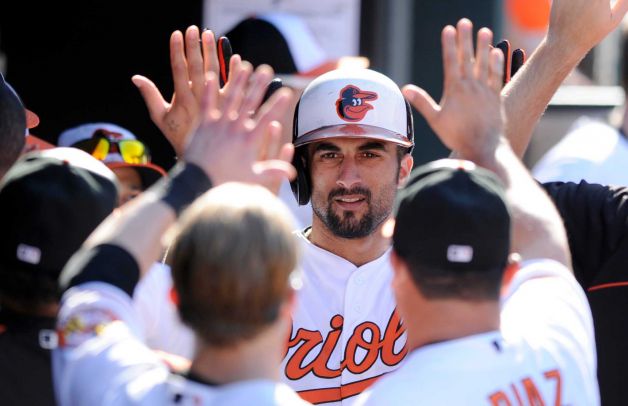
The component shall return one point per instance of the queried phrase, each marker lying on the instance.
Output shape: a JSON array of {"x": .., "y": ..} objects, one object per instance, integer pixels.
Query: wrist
[{"x": 185, "y": 183}]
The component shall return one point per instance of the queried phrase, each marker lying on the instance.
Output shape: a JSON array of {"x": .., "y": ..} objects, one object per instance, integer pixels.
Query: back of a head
[
  {"x": 232, "y": 260},
  {"x": 12, "y": 126},
  {"x": 452, "y": 229},
  {"x": 50, "y": 201}
]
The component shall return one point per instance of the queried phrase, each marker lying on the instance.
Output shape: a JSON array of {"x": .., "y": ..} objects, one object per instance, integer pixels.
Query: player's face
[
  {"x": 130, "y": 183},
  {"x": 354, "y": 182}
]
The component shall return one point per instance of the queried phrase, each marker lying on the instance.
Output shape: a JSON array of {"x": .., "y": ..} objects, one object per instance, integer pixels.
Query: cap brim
[
  {"x": 353, "y": 131},
  {"x": 150, "y": 173}
]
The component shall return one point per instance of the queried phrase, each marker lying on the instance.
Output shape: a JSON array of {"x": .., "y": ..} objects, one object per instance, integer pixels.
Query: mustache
[{"x": 358, "y": 190}]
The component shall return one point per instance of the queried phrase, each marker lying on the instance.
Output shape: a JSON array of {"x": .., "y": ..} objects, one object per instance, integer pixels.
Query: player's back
[
  {"x": 484, "y": 369},
  {"x": 544, "y": 352}
]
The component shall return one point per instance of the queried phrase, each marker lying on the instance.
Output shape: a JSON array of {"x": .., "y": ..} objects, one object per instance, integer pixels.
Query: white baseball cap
[{"x": 353, "y": 103}]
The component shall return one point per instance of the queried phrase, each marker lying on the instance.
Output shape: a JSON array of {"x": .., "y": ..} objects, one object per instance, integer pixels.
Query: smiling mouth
[{"x": 349, "y": 200}]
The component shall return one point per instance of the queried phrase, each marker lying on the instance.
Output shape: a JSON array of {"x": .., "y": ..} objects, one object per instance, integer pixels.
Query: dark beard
[{"x": 348, "y": 226}]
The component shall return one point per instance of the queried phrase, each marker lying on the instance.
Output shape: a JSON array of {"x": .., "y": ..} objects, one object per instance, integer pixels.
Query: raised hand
[
  {"x": 469, "y": 115},
  {"x": 192, "y": 60},
  {"x": 579, "y": 25},
  {"x": 234, "y": 144}
]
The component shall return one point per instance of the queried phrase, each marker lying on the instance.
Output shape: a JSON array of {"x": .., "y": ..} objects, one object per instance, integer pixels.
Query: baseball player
[
  {"x": 350, "y": 160},
  {"x": 447, "y": 283},
  {"x": 233, "y": 258}
]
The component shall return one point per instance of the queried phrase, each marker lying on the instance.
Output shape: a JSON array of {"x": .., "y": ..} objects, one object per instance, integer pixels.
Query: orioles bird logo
[{"x": 352, "y": 105}]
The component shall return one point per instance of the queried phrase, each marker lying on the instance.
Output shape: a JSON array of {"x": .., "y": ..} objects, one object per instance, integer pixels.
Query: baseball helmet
[{"x": 348, "y": 103}]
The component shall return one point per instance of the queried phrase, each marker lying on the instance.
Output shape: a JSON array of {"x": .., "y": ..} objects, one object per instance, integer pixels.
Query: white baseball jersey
[
  {"x": 158, "y": 316},
  {"x": 543, "y": 355},
  {"x": 345, "y": 331},
  {"x": 101, "y": 361}
]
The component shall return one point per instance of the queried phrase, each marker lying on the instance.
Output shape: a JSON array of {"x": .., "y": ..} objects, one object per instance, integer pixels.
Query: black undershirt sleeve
[
  {"x": 595, "y": 218},
  {"x": 103, "y": 263}
]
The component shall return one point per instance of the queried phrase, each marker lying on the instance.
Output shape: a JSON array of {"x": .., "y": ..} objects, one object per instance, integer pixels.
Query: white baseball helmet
[
  {"x": 353, "y": 103},
  {"x": 348, "y": 103}
]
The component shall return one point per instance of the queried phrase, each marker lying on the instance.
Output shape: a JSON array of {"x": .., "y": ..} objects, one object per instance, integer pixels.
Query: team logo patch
[
  {"x": 352, "y": 104},
  {"x": 82, "y": 326}
]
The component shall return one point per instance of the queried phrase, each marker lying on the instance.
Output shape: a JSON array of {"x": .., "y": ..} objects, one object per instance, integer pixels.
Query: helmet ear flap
[
  {"x": 410, "y": 125},
  {"x": 301, "y": 184}
]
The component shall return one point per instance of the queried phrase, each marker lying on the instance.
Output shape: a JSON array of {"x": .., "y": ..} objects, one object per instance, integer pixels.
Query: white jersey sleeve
[
  {"x": 157, "y": 314},
  {"x": 99, "y": 353},
  {"x": 545, "y": 304}
]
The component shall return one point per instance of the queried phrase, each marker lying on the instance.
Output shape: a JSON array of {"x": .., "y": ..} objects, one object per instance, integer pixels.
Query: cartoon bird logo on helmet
[{"x": 352, "y": 105}]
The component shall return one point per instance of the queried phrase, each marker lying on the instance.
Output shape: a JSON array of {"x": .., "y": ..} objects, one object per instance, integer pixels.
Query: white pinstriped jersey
[{"x": 543, "y": 355}]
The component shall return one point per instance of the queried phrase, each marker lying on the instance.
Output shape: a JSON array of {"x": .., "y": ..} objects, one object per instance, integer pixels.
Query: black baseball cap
[
  {"x": 50, "y": 201},
  {"x": 453, "y": 215}
]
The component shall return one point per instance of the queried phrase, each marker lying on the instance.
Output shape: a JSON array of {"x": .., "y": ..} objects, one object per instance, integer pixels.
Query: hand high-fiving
[{"x": 469, "y": 114}]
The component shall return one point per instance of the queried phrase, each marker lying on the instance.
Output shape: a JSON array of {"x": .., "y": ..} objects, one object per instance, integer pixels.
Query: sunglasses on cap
[{"x": 103, "y": 143}]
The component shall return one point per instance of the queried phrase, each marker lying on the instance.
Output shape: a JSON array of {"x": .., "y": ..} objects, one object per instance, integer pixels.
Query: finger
[
  {"x": 209, "y": 102},
  {"x": 257, "y": 88},
  {"x": 210, "y": 57},
  {"x": 273, "y": 110},
  {"x": 273, "y": 171},
  {"x": 179, "y": 67},
  {"x": 465, "y": 47},
  {"x": 235, "y": 64},
  {"x": 153, "y": 99},
  {"x": 504, "y": 46},
  {"x": 235, "y": 95},
  {"x": 450, "y": 55},
  {"x": 496, "y": 71},
  {"x": 518, "y": 59},
  {"x": 224, "y": 56},
  {"x": 194, "y": 59},
  {"x": 273, "y": 147},
  {"x": 422, "y": 102},
  {"x": 618, "y": 11},
  {"x": 287, "y": 152},
  {"x": 485, "y": 38}
]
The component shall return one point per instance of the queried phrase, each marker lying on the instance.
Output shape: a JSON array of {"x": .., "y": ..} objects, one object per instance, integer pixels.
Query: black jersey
[{"x": 596, "y": 219}]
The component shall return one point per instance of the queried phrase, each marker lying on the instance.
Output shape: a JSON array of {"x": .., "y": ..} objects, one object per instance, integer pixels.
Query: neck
[
  {"x": 444, "y": 320},
  {"x": 358, "y": 251},
  {"x": 250, "y": 359}
]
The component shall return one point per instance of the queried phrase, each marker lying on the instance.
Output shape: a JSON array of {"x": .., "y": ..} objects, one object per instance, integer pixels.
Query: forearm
[
  {"x": 538, "y": 231},
  {"x": 527, "y": 95}
]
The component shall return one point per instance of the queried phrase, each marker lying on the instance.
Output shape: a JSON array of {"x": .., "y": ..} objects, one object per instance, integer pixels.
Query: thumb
[
  {"x": 422, "y": 101},
  {"x": 153, "y": 99}
]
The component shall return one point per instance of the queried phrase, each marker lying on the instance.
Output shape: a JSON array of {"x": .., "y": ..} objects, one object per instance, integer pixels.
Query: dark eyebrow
[
  {"x": 326, "y": 146},
  {"x": 372, "y": 145}
]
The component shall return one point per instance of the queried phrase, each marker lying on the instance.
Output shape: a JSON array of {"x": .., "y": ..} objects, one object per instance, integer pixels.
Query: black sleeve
[
  {"x": 103, "y": 263},
  {"x": 595, "y": 218}
]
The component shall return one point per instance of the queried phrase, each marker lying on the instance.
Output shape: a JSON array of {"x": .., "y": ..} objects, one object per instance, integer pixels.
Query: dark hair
[
  {"x": 12, "y": 128},
  {"x": 467, "y": 285}
]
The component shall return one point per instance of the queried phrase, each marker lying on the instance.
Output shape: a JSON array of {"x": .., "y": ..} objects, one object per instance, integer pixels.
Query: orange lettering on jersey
[
  {"x": 394, "y": 331},
  {"x": 516, "y": 392},
  {"x": 499, "y": 399},
  {"x": 555, "y": 374},
  {"x": 534, "y": 397},
  {"x": 310, "y": 339},
  {"x": 366, "y": 337}
]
